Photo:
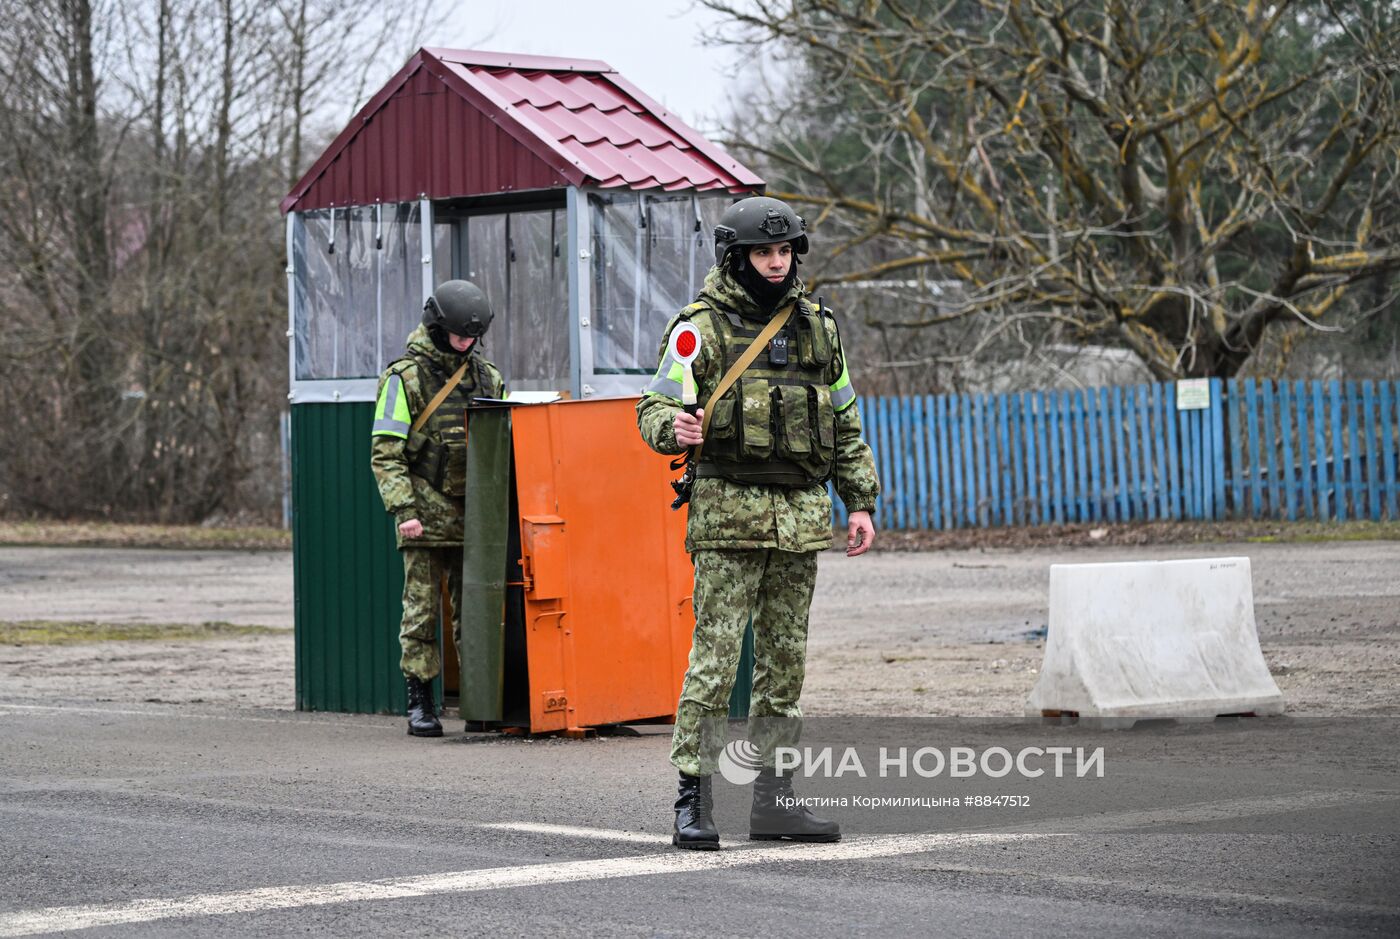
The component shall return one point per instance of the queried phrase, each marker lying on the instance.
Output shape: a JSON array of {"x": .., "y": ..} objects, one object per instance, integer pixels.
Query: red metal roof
[{"x": 463, "y": 123}]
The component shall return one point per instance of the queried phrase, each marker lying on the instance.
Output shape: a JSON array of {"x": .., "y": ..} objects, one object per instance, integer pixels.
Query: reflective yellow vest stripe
[{"x": 391, "y": 417}]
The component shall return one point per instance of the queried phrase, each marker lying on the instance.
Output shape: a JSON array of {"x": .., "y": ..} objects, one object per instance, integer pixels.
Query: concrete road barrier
[{"x": 1152, "y": 639}]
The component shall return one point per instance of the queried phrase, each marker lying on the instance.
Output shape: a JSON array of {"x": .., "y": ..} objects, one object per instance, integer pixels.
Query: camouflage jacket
[
  {"x": 725, "y": 514},
  {"x": 407, "y": 495}
]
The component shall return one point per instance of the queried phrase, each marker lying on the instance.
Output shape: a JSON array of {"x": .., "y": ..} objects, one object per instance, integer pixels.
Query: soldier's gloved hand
[
  {"x": 860, "y": 535},
  {"x": 688, "y": 428},
  {"x": 411, "y": 528}
]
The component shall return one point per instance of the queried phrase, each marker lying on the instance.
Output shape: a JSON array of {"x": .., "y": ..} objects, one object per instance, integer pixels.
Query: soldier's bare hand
[
  {"x": 411, "y": 528},
  {"x": 688, "y": 428},
  {"x": 860, "y": 535}
]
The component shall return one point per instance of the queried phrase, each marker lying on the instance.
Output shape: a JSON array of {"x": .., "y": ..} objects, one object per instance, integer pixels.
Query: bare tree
[
  {"x": 1173, "y": 178},
  {"x": 57, "y": 149},
  {"x": 322, "y": 60},
  {"x": 144, "y": 149}
]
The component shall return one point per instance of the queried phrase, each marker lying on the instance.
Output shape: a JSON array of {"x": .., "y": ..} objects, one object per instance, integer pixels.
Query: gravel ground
[
  {"x": 951, "y": 632},
  {"x": 905, "y": 633}
]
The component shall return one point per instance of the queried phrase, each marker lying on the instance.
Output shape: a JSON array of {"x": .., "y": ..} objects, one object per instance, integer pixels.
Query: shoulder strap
[
  {"x": 440, "y": 397},
  {"x": 730, "y": 377}
]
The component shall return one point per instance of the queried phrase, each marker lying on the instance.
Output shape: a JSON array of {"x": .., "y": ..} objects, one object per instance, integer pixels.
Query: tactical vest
[
  {"x": 776, "y": 426},
  {"x": 437, "y": 452}
]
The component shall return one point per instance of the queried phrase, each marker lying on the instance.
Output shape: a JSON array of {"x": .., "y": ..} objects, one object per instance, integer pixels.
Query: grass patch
[
  {"x": 111, "y": 535},
  {"x": 72, "y": 632}
]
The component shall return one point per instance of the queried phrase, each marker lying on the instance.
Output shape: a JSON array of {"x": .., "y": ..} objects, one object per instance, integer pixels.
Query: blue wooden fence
[{"x": 1261, "y": 449}]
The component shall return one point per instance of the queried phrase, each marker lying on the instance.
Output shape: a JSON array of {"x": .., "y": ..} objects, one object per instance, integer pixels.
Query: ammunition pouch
[
  {"x": 441, "y": 465},
  {"x": 813, "y": 344},
  {"x": 776, "y": 425}
]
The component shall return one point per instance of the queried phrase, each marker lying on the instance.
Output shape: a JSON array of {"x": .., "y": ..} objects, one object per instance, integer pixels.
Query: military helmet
[
  {"x": 759, "y": 220},
  {"x": 458, "y": 307}
]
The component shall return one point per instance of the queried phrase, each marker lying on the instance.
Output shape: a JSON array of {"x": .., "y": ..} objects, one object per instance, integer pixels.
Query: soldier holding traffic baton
[{"x": 770, "y": 419}]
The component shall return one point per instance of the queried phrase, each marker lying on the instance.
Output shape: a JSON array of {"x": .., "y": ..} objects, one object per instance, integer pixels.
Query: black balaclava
[
  {"x": 440, "y": 341},
  {"x": 764, "y": 293}
]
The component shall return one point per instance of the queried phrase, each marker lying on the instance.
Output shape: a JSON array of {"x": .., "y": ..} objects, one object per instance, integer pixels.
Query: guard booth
[{"x": 584, "y": 210}]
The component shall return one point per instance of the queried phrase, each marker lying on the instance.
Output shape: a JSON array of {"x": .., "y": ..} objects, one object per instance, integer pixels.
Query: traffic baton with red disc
[{"x": 684, "y": 347}]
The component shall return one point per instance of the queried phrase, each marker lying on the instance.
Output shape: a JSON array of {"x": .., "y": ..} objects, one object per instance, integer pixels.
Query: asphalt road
[{"x": 155, "y": 821}]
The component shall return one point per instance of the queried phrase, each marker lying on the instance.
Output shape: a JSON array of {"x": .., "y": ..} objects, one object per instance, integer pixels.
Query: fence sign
[{"x": 1192, "y": 394}]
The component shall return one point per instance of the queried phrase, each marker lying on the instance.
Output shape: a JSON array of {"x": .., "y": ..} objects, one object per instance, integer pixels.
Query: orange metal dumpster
[{"x": 606, "y": 581}]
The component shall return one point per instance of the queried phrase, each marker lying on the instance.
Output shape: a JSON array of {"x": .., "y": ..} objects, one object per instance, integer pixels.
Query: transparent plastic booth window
[
  {"x": 357, "y": 291},
  {"x": 517, "y": 258},
  {"x": 649, "y": 256}
]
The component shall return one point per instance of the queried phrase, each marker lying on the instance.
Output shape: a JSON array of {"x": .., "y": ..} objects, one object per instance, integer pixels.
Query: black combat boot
[
  {"x": 774, "y": 816},
  {"x": 422, "y": 715},
  {"x": 695, "y": 815}
]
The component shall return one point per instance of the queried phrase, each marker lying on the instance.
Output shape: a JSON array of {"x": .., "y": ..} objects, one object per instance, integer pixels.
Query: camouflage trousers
[
  {"x": 775, "y": 588},
  {"x": 418, "y": 633}
]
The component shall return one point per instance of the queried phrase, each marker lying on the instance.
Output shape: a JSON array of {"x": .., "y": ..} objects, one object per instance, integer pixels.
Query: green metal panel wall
[{"x": 347, "y": 572}]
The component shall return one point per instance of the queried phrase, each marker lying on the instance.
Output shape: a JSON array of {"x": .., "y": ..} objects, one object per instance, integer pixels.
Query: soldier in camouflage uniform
[
  {"x": 421, "y": 474},
  {"x": 759, "y": 511}
]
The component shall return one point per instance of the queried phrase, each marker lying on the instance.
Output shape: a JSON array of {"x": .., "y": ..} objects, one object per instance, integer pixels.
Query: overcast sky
[{"x": 654, "y": 43}]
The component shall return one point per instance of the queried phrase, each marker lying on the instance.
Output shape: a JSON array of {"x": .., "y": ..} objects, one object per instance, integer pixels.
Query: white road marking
[
  {"x": 59, "y": 919},
  {"x": 667, "y": 861},
  {"x": 576, "y": 831}
]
